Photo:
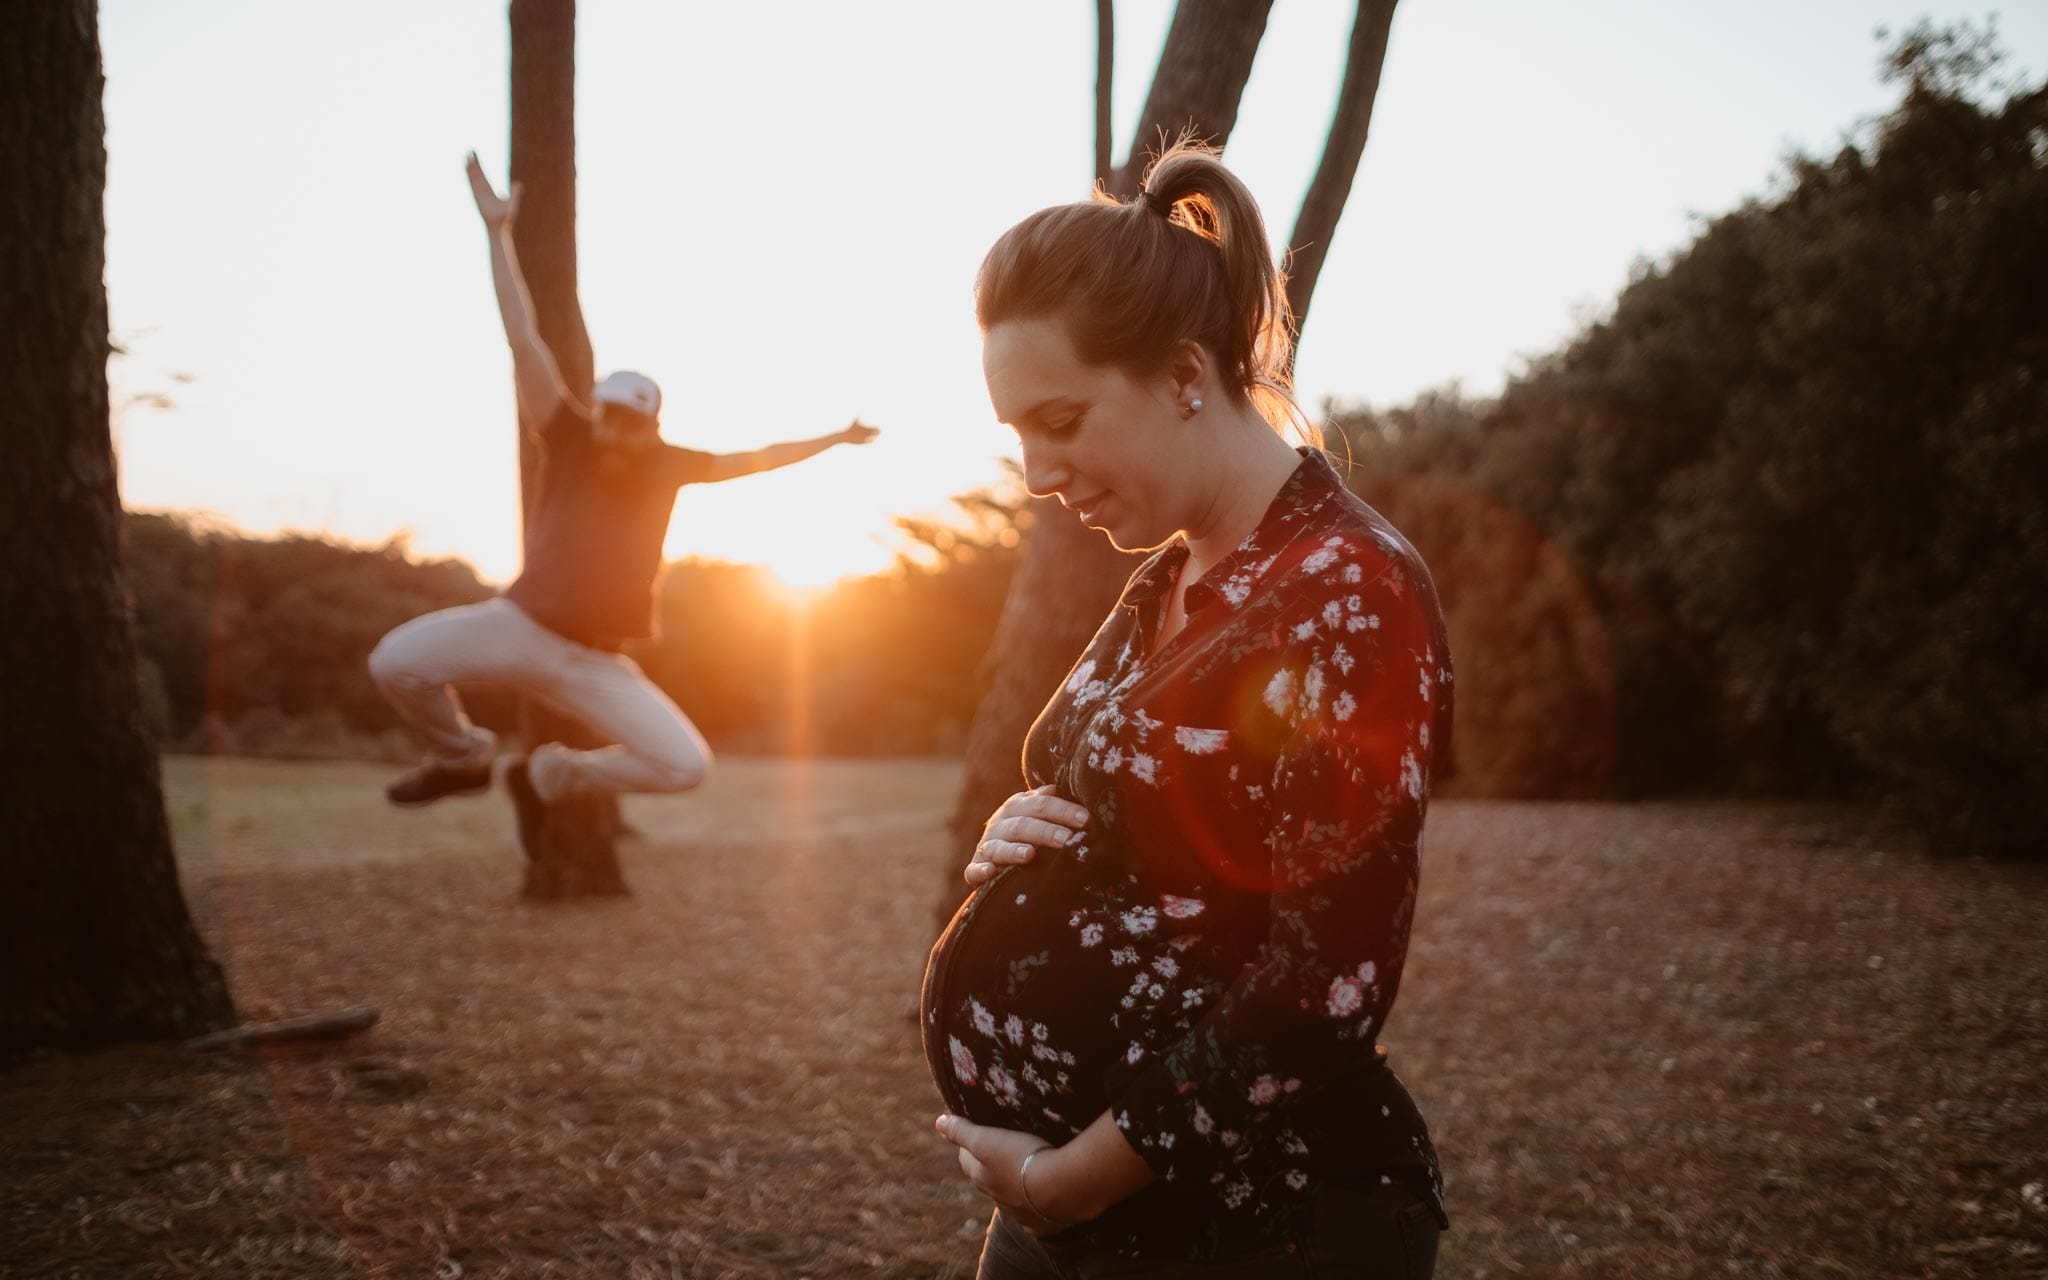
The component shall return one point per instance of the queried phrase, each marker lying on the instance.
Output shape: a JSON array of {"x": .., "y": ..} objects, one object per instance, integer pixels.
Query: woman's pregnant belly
[{"x": 1053, "y": 982}]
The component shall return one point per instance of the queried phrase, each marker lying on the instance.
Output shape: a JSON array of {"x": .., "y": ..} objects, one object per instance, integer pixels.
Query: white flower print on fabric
[
  {"x": 1000, "y": 1081},
  {"x": 1013, "y": 1029},
  {"x": 1346, "y": 996},
  {"x": 1140, "y": 921},
  {"x": 1341, "y": 658},
  {"x": 1091, "y": 934},
  {"x": 1200, "y": 742},
  {"x": 963, "y": 1060},
  {"x": 1264, "y": 1091},
  {"x": 1345, "y": 706},
  {"x": 1312, "y": 690},
  {"x": 1411, "y": 775},
  {"x": 984, "y": 1021},
  {"x": 1178, "y": 908},
  {"x": 1145, "y": 769},
  {"x": 1280, "y": 693}
]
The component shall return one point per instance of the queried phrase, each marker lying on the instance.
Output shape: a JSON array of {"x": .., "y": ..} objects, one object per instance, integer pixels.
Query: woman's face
[{"x": 1102, "y": 442}]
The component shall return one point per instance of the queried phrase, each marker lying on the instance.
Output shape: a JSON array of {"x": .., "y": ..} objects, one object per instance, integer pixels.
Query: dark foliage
[{"x": 1797, "y": 476}]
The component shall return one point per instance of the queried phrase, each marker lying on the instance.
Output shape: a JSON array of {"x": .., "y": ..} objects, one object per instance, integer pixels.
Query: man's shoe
[
  {"x": 527, "y": 806},
  {"x": 437, "y": 779}
]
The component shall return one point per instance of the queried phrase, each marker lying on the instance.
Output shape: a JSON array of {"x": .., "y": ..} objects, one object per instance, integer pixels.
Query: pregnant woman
[{"x": 1155, "y": 1020}]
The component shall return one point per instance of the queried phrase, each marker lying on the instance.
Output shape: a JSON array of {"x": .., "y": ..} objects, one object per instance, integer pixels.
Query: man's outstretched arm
[
  {"x": 534, "y": 374},
  {"x": 709, "y": 467}
]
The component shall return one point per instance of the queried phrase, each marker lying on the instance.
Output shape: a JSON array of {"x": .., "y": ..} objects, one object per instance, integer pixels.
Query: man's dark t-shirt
[{"x": 594, "y": 547}]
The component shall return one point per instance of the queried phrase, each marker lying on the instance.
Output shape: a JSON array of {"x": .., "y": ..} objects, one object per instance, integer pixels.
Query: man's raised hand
[{"x": 495, "y": 209}]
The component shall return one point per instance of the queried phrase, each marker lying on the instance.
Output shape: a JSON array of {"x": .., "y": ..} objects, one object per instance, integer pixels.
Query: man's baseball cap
[{"x": 636, "y": 391}]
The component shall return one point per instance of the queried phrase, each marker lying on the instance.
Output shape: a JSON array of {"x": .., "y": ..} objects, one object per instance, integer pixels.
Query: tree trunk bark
[
  {"x": 1330, "y": 189},
  {"x": 1105, "y": 73},
  {"x": 96, "y": 944},
  {"x": 578, "y": 855},
  {"x": 1070, "y": 575}
]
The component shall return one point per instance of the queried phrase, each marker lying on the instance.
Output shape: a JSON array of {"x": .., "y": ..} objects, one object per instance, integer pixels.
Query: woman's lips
[{"x": 1090, "y": 509}]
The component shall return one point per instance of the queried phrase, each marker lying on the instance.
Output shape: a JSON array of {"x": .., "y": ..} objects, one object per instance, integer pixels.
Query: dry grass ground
[{"x": 1655, "y": 1041}]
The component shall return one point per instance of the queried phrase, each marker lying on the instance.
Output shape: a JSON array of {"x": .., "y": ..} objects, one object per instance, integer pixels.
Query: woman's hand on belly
[
  {"x": 1026, "y": 822},
  {"x": 993, "y": 1160},
  {"x": 1068, "y": 1184}
]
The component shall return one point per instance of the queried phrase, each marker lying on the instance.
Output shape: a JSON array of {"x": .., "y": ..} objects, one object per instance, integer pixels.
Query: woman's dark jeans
[{"x": 1387, "y": 1233}]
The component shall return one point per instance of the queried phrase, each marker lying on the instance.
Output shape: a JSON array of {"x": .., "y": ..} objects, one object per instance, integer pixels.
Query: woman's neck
[{"x": 1250, "y": 464}]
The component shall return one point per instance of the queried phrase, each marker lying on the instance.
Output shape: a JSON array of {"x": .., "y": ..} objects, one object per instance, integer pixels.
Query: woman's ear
[{"x": 1187, "y": 371}]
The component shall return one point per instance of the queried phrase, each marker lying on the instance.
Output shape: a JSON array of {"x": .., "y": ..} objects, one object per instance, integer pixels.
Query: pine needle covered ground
[{"x": 1663, "y": 1040}]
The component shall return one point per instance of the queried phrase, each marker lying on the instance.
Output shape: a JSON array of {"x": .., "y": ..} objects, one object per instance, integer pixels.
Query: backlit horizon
[{"x": 788, "y": 242}]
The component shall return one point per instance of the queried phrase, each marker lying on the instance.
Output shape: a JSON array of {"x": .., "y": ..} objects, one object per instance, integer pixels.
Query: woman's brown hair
[{"x": 1186, "y": 260}]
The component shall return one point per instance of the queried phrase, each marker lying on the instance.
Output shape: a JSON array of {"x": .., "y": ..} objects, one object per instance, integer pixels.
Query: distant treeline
[
  {"x": 258, "y": 645},
  {"x": 1780, "y": 523}
]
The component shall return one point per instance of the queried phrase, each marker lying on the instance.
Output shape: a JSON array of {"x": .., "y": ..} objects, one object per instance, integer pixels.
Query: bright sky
[{"x": 783, "y": 205}]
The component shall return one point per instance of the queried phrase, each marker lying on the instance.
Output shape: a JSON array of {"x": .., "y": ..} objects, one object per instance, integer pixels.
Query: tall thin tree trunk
[
  {"x": 96, "y": 943},
  {"x": 1105, "y": 73},
  {"x": 1070, "y": 575},
  {"x": 1330, "y": 189},
  {"x": 579, "y": 854}
]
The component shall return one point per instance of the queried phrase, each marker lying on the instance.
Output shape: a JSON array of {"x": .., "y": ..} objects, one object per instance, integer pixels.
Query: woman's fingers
[
  {"x": 991, "y": 856},
  {"x": 974, "y": 1170},
  {"x": 1006, "y": 853},
  {"x": 1039, "y": 831},
  {"x": 1053, "y": 809},
  {"x": 1042, "y": 803},
  {"x": 1026, "y": 822}
]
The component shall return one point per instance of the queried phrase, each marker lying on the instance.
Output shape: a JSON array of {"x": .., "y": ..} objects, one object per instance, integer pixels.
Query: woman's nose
[{"x": 1044, "y": 473}]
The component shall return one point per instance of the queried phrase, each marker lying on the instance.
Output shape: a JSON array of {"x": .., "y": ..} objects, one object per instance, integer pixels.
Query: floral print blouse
[{"x": 1213, "y": 958}]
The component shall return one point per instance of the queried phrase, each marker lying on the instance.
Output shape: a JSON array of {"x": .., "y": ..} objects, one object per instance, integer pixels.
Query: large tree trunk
[
  {"x": 579, "y": 854},
  {"x": 96, "y": 944},
  {"x": 1070, "y": 576},
  {"x": 1331, "y": 187}
]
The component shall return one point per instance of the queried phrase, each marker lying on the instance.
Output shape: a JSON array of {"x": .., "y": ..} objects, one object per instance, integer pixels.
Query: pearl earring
[{"x": 1194, "y": 407}]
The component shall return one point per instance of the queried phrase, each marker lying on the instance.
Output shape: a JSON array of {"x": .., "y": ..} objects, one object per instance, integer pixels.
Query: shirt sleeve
[{"x": 1356, "y": 694}]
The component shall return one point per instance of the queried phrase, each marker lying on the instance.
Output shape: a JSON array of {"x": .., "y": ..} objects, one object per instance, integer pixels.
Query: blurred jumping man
[{"x": 607, "y": 486}]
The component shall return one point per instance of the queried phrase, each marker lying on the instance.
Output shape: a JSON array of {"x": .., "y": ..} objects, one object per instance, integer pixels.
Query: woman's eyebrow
[{"x": 1035, "y": 411}]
